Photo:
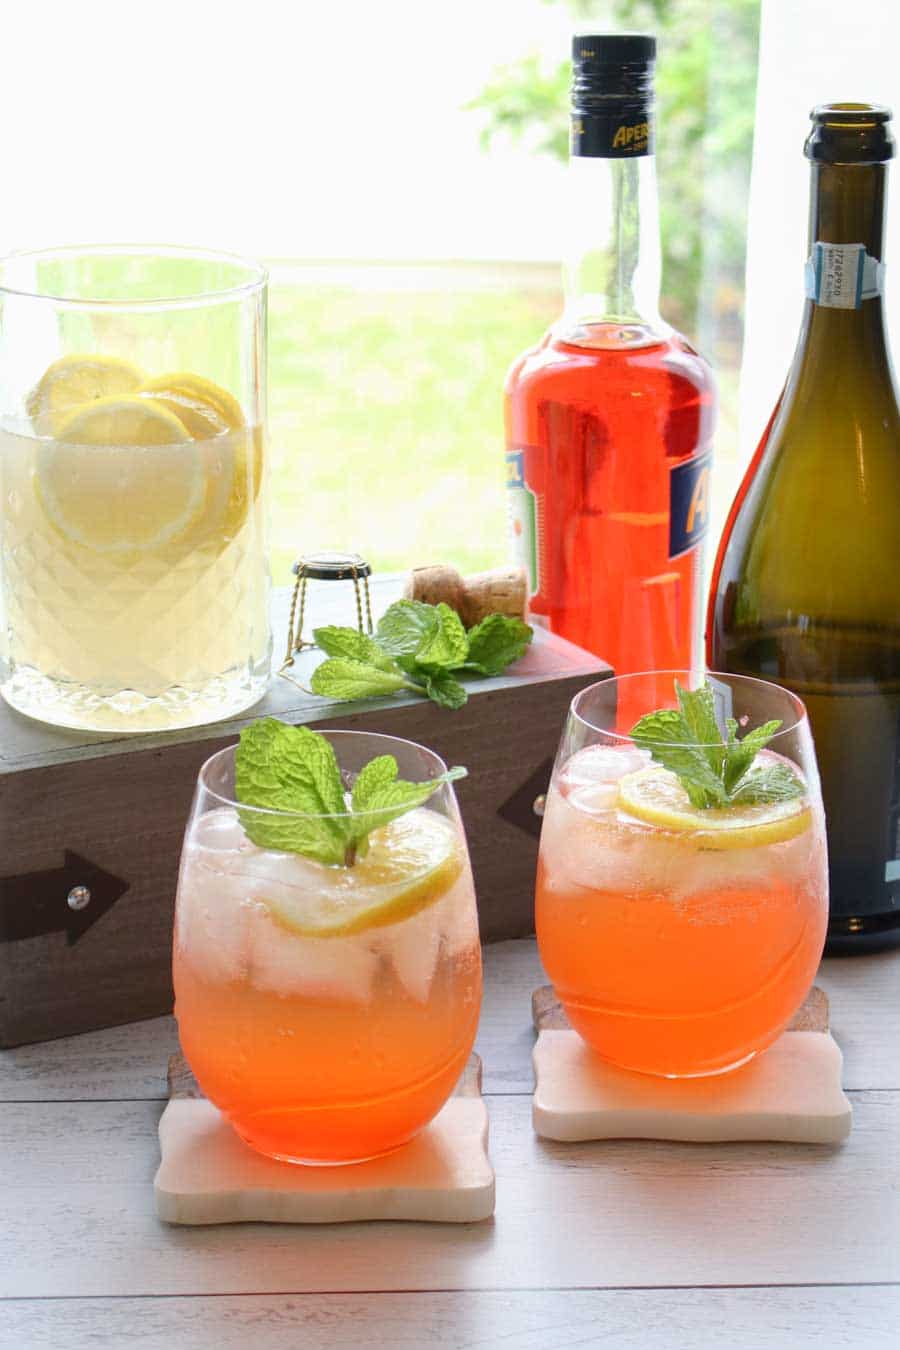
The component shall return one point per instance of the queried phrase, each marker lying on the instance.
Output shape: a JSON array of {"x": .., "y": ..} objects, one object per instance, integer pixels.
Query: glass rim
[
  {"x": 257, "y": 275},
  {"x": 799, "y": 707},
  {"x": 229, "y": 750}
]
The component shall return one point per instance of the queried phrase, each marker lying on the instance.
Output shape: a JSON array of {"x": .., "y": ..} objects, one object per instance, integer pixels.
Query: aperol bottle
[{"x": 609, "y": 420}]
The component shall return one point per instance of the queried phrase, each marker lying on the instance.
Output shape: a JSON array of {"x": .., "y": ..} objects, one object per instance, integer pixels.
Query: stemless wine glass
[
  {"x": 133, "y": 576},
  {"x": 679, "y": 941},
  {"x": 328, "y": 1011}
]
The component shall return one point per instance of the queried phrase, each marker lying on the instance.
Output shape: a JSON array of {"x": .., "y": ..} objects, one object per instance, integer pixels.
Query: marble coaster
[
  {"x": 790, "y": 1093},
  {"x": 209, "y": 1175}
]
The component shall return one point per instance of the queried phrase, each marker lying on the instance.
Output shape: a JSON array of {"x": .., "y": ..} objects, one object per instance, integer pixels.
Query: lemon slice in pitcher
[
  {"x": 411, "y": 863},
  {"x": 208, "y": 411},
  {"x": 122, "y": 476},
  {"x": 205, "y": 408},
  {"x": 656, "y": 796},
  {"x": 74, "y": 381}
]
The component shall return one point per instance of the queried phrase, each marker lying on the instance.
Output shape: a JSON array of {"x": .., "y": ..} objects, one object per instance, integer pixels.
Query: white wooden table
[{"x": 619, "y": 1245}]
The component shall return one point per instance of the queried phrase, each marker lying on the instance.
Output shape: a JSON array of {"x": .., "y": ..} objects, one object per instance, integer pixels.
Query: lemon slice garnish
[
  {"x": 410, "y": 864},
  {"x": 74, "y": 381},
  {"x": 656, "y": 796},
  {"x": 209, "y": 411},
  {"x": 123, "y": 475}
]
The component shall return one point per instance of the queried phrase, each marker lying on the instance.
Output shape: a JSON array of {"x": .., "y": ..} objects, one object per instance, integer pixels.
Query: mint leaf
[
  {"x": 668, "y": 738},
  {"x": 345, "y": 679},
  {"x": 284, "y": 768},
  {"x": 698, "y": 708},
  {"x": 767, "y": 783},
  {"x": 714, "y": 772},
  {"x": 742, "y": 753},
  {"x": 446, "y": 645},
  {"x": 496, "y": 642},
  {"x": 404, "y": 626},
  {"x": 443, "y": 689},
  {"x": 380, "y": 796},
  {"x": 371, "y": 778},
  {"x": 416, "y": 647},
  {"x": 353, "y": 644}
]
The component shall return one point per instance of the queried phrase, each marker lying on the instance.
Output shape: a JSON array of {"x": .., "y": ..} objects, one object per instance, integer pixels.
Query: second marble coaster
[
  {"x": 209, "y": 1175},
  {"x": 791, "y": 1093}
]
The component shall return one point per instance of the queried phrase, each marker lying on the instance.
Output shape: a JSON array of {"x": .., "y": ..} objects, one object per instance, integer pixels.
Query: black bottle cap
[
  {"x": 850, "y": 133},
  {"x": 613, "y": 49},
  {"x": 612, "y": 95}
]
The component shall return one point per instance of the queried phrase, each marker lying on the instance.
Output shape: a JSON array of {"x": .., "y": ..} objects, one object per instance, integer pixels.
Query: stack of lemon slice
[{"x": 128, "y": 463}]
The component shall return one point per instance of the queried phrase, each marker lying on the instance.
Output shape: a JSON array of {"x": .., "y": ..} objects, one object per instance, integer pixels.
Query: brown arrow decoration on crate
[
  {"x": 518, "y": 809},
  {"x": 37, "y": 903}
]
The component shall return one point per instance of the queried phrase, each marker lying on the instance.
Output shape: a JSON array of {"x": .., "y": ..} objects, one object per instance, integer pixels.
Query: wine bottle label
[
  {"x": 842, "y": 276},
  {"x": 525, "y": 520},
  {"x": 618, "y": 135},
  {"x": 689, "y": 503}
]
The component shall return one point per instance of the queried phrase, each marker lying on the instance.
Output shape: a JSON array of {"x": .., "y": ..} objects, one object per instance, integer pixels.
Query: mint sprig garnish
[
  {"x": 423, "y": 649},
  {"x": 278, "y": 767},
  {"x": 714, "y": 771},
  {"x": 495, "y": 643}
]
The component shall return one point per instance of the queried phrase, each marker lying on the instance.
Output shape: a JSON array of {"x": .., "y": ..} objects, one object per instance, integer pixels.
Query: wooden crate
[{"x": 109, "y": 812}]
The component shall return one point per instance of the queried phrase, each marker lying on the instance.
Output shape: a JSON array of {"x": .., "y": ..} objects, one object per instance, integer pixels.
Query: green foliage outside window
[{"x": 706, "y": 83}]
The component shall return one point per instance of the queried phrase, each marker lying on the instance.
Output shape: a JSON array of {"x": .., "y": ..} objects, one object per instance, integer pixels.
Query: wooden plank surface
[
  {"x": 79, "y": 1217},
  {"x": 622, "y": 1244},
  {"x": 677, "y": 1319}
]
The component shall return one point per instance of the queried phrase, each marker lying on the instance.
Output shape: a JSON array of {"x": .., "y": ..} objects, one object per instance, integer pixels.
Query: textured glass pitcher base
[{"x": 67, "y": 704}]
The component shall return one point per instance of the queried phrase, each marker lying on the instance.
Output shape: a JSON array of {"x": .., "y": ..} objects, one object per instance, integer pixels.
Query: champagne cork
[{"x": 500, "y": 591}]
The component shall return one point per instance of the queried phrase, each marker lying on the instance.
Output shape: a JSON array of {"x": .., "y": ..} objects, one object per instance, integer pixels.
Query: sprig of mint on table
[
  {"x": 280, "y": 767},
  {"x": 417, "y": 647},
  {"x": 715, "y": 771}
]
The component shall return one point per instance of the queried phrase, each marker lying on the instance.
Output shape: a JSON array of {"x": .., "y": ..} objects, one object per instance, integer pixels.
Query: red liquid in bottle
[{"x": 608, "y": 454}]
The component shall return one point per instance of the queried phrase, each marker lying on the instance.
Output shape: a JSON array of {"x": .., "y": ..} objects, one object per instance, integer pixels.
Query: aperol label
[
  {"x": 523, "y": 507},
  {"x": 689, "y": 503},
  {"x": 623, "y": 134}
]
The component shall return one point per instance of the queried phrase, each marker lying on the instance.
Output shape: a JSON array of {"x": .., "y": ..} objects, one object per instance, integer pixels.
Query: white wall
[
  {"x": 811, "y": 51},
  {"x": 284, "y": 128}
]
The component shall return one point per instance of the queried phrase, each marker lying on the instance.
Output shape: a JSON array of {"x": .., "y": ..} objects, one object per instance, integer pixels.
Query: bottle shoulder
[
  {"x": 853, "y": 446},
  {"x": 813, "y": 536},
  {"x": 644, "y": 361}
]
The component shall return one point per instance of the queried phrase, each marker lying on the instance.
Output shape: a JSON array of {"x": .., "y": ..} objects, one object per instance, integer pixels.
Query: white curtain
[{"x": 811, "y": 51}]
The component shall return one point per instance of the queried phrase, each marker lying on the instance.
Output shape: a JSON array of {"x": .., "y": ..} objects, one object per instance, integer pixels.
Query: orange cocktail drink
[
  {"x": 327, "y": 1010},
  {"x": 680, "y": 940}
]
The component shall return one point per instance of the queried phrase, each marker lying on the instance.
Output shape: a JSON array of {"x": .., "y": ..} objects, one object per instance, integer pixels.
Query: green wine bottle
[{"x": 806, "y": 585}]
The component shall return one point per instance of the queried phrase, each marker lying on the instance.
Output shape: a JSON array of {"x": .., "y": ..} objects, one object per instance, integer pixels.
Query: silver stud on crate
[{"x": 79, "y": 897}]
